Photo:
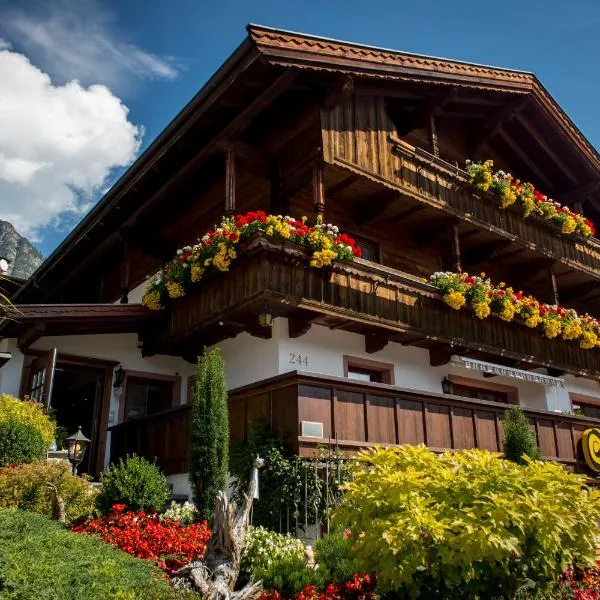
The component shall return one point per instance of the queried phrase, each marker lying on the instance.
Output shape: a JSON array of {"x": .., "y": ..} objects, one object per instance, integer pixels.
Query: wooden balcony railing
[
  {"x": 436, "y": 183},
  {"x": 359, "y": 296},
  {"x": 353, "y": 414}
]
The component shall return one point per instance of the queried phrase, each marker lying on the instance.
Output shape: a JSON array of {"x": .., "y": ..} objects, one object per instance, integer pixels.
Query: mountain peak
[{"x": 23, "y": 256}]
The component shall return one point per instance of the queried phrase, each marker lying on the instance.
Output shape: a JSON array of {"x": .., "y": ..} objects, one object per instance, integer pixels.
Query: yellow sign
[{"x": 590, "y": 443}]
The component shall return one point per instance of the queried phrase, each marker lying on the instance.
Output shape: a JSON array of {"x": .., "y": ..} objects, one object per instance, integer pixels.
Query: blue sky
[{"x": 153, "y": 56}]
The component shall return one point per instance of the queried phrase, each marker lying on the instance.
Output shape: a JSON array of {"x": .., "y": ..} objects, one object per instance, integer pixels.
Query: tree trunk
[
  {"x": 216, "y": 575},
  {"x": 60, "y": 514}
]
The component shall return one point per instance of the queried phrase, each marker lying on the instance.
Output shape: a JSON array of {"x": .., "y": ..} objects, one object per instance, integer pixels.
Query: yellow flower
[
  {"x": 571, "y": 330},
  {"x": 569, "y": 225},
  {"x": 175, "y": 290},
  {"x": 533, "y": 320},
  {"x": 551, "y": 328},
  {"x": 455, "y": 300},
  {"x": 508, "y": 311},
  {"x": 588, "y": 340},
  {"x": 322, "y": 258},
  {"x": 507, "y": 197},
  {"x": 482, "y": 310},
  {"x": 197, "y": 273},
  {"x": 151, "y": 300}
]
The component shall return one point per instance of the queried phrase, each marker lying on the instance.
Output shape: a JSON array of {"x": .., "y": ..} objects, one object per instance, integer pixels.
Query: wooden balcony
[
  {"x": 353, "y": 415},
  {"x": 364, "y": 297},
  {"x": 430, "y": 182}
]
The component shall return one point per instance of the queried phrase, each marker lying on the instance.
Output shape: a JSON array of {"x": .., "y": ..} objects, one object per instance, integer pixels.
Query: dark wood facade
[{"x": 354, "y": 415}]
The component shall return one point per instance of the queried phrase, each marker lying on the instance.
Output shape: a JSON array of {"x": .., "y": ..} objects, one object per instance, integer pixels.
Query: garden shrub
[
  {"x": 465, "y": 524},
  {"x": 32, "y": 413},
  {"x": 167, "y": 543},
  {"x": 519, "y": 440},
  {"x": 359, "y": 587},
  {"x": 42, "y": 560},
  {"x": 185, "y": 513},
  {"x": 20, "y": 443},
  {"x": 209, "y": 436},
  {"x": 333, "y": 553},
  {"x": 134, "y": 482},
  {"x": 289, "y": 576},
  {"x": 265, "y": 548},
  {"x": 25, "y": 487}
]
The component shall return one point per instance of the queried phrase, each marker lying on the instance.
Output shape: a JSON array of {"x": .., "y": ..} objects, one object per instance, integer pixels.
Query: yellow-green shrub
[
  {"x": 25, "y": 487},
  {"x": 31, "y": 413},
  {"x": 465, "y": 524}
]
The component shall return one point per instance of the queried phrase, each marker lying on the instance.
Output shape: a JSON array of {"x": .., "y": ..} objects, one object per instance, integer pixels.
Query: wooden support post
[
  {"x": 229, "y": 181},
  {"x": 553, "y": 285},
  {"x": 375, "y": 343},
  {"x": 125, "y": 275},
  {"x": 456, "y": 250},
  {"x": 298, "y": 325},
  {"x": 318, "y": 188},
  {"x": 435, "y": 147}
]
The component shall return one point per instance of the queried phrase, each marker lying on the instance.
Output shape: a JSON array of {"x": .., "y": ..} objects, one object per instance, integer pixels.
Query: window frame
[
  {"x": 584, "y": 400},
  {"x": 175, "y": 381},
  {"x": 512, "y": 392},
  {"x": 364, "y": 364},
  {"x": 369, "y": 241}
]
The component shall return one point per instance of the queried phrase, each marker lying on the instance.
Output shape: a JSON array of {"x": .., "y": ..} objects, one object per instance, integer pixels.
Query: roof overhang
[{"x": 74, "y": 319}]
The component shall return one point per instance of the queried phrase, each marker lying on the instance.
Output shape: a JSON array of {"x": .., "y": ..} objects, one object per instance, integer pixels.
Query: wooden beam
[
  {"x": 440, "y": 355},
  {"x": 484, "y": 252},
  {"x": 498, "y": 119},
  {"x": 338, "y": 91},
  {"x": 426, "y": 235},
  {"x": 375, "y": 343},
  {"x": 254, "y": 158},
  {"x": 405, "y": 214},
  {"x": 423, "y": 113},
  {"x": 31, "y": 335},
  {"x": 339, "y": 187},
  {"x": 580, "y": 193},
  {"x": 230, "y": 181},
  {"x": 553, "y": 285},
  {"x": 298, "y": 325},
  {"x": 456, "y": 249},
  {"x": 579, "y": 291},
  {"x": 516, "y": 148},
  {"x": 318, "y": 188},
  {"x": 560, "y": 163},
  {"x": 372, "y": 206}
]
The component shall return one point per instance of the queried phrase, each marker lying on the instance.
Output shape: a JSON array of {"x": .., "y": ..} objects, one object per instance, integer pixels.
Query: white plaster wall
[{"x": 10, "y": 373}]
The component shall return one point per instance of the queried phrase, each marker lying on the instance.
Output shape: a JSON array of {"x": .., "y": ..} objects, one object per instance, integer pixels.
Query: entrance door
[
  {"x": 76, "y": 402},
  {"x": 38, "y": 376}
]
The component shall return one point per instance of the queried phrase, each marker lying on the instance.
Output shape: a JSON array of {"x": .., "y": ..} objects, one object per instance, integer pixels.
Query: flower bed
[
  {"x": 167, "y": 543},
  {"x": 511, "y": 191},
  {"x": 485, "y": 299},
  {"x": 360, "y": 588},
  {"x": 219, "y": 246}
]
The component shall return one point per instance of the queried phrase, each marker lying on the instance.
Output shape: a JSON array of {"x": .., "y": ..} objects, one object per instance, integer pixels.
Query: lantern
[{"x": 78, "y": 444}]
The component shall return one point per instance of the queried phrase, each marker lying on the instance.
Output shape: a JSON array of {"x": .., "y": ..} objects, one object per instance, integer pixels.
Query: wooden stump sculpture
[{"x": 216, "y": 575}]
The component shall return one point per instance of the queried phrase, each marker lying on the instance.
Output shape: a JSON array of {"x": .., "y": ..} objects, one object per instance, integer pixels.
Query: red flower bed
[
  {"x": 581, "y": 584},
  {"x": 167, "y": 543},
  {"x": 360, "y": 588}
]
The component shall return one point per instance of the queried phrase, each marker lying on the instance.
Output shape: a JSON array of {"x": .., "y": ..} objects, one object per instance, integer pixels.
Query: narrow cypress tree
[
  {"x": 209, "y": 435},
  {"x": 519, "y": 440}
]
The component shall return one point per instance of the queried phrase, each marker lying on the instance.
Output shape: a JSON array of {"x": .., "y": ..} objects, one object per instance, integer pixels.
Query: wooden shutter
[{"x": 38, "y": 376}]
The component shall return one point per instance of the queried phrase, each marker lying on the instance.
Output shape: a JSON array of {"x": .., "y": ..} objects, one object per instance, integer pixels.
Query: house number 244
[{"x": 298, "y": 359}]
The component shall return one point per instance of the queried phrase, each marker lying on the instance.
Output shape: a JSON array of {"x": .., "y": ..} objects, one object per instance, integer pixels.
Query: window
[
  {"x": 369, "y": 249},
  {"x": 361, "y": 369},
  {"x": 480, "y": 389},
  {"x": 587, "y": 405},
  {"x": 145, "y": 397}
]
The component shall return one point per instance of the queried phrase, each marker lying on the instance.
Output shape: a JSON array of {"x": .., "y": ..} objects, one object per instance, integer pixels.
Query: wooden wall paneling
[
  {"x": 410, "y": 421},
  {"x": 462, "y": 428},
  {"x": 380, "y": 419},
  {"x": 314, "y": 404},
  {"x": 237, "y": 419},
  {"x": 438, "y": 426},
  {"x": 546, "y": 439},
  {"x": 284, "y": 407},
  {"x": 257, "y": 408},
  {"x": 350, "y": 421},
  {"x": 564, "y": 441},
  {"x": 485, "y": 424}
]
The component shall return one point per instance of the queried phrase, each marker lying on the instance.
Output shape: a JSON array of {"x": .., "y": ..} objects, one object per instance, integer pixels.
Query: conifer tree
[
  {"x": 209, "y": 435},
  {"x": 519, "y": 440}
]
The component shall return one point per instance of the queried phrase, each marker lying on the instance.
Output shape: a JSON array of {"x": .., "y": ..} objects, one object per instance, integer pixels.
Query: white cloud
[
  {"x": 4, "y": 44},
  {"x": 58, "y": 144},
  {"x": 78, "y": 39}
]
